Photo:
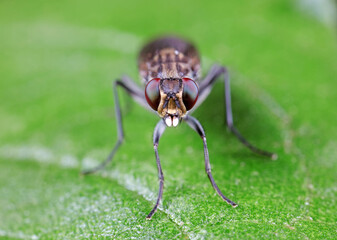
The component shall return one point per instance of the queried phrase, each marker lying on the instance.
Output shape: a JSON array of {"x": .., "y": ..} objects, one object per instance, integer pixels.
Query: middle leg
[
  {"x": 133, "y": 90},
  {"x": 205, "y": 88}
]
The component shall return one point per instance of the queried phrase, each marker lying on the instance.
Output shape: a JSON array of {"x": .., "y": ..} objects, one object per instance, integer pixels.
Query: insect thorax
[{"x": 169, "y": 58}]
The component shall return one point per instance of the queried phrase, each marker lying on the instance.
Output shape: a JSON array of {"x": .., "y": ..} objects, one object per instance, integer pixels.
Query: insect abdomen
[{"x": 169, "y": 57}]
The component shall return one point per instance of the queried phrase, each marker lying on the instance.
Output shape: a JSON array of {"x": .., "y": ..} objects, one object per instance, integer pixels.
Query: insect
[{"x": 170, "y": 69}]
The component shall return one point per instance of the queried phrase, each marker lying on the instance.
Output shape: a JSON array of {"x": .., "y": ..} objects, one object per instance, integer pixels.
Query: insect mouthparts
[{"x": 171, "y": 121}]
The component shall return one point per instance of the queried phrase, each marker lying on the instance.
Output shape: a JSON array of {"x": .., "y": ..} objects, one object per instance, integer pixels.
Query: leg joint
[
  {"x": 221, "y": 69},
  {"x": 224, "y": 69},
  {"x": 120, "y": 139},
  {"x": 116, "y": 82}
]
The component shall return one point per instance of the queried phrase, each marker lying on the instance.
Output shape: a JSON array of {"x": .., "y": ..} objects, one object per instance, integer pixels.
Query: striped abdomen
[{"x": 169, "y": 57}]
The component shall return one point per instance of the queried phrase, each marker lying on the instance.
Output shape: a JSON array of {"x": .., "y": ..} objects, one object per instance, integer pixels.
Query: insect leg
[
  {"x": 206, "y": 85},
  {"x": 158, "y": 131},
  {"x": 205, "y": 88},
  {"x": 136, "y": 93},
  {"x": 196, "y": 126}
]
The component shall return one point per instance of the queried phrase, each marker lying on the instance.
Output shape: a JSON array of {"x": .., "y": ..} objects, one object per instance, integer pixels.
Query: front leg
[
  {"x": 158, "y": 131},
  {"x": 205, "y": 88},
  {"x": 196, "y": 126}
]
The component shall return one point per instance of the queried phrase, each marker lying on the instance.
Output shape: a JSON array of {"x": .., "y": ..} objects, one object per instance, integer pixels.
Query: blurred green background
[{"x": 57, "y": 62}]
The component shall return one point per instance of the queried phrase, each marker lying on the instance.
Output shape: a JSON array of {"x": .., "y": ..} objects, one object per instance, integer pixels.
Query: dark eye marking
[
  {"x": 190, "y": 93},
  {"x": 152, "y": 94}
]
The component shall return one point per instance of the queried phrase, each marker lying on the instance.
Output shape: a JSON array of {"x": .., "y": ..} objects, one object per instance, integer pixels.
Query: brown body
[
  {"x": 169, "y": 57},
  {"x": 170, "y": 68}
]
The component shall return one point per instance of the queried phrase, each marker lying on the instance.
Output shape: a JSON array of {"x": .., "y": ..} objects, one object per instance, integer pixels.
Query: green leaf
[{"x": 57, "y": 62}]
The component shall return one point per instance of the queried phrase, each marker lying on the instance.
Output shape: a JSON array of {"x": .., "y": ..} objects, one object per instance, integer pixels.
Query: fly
[{"x": 170, "y": 69}]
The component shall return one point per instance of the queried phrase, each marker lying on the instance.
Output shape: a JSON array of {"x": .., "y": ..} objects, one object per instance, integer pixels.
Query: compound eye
[
  {"x": 190, "y": 93},
  {"x": 152, "y": 94}
]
